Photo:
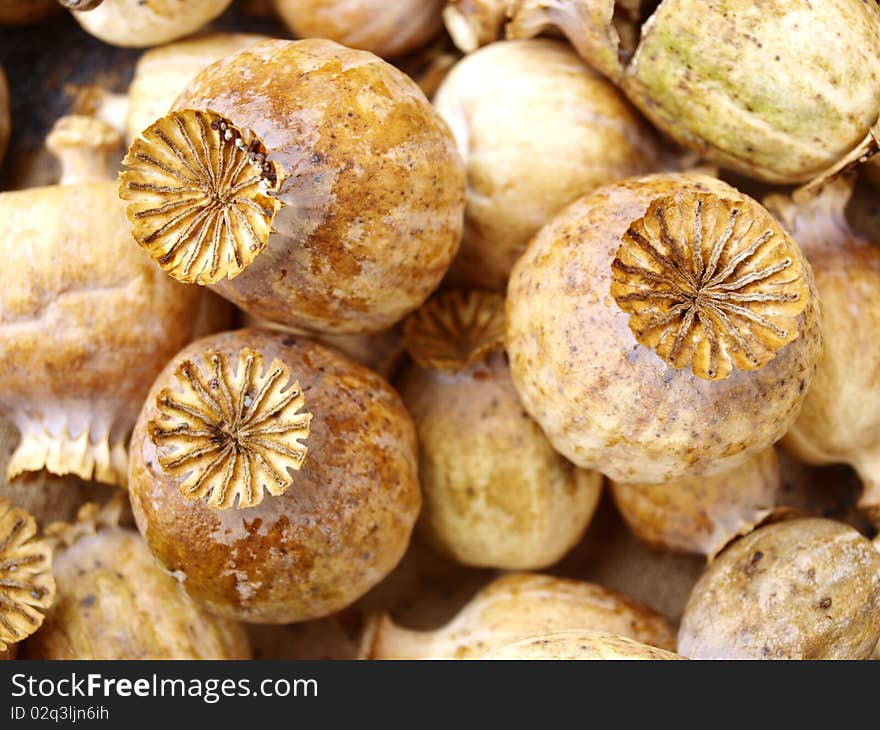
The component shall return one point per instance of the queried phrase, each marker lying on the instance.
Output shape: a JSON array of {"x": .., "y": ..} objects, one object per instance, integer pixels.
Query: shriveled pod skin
[
  {"x": 537, "y": 129},
  {"x": 86, "y": 320},
  {"x": 5, "y": 122},
  {"x": 387, "y": 29},
  {"x": 115, "y": 602},
  {"x": 702, "y": 514},
  {"x": 516, "y": 607},
  {"x": 342, "y": 199},
  {"x": 328, "y": 440},
  {"x": 474, "y": 23},
  {"x": 162, "y": 73},
  {"x": 495, "y": 492},
  {"x": 25, "y": 12},
  {"x": 648, "y": 362},
  {"x": 580, "y": 645},
  {"x": 840, "y": 420},
  {"x": 802, "y": 589},
  {"x": 142, "y": 23},
  {"x": 780, "y": 91}
]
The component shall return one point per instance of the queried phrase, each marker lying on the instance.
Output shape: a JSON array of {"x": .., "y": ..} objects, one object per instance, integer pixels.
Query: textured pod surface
[
  {"x": 115, "y": 602},
  {"x": 516, "y": 607},
  {"x": 537, "y": 128},
  {"x": 340, "y": 527},
  {"x": 607, "y": 402},
  {"x": 495, "y": 492},
  {"x": 27, "y": 587},
  {"x": 803, "y": 589},
  {"x": 140, "y": 23},
  {"x": 840, "y": 420},
  {"x": 702, "y": 514},
  {"x": 780, "y": 90},
  {"x": 162, "y": 73},
  {"x": 579, "y": 645},
  {"x": 368, "y": 184},
  {"x": 87, "y": 323},
  {"x": 385, "y": 28}
]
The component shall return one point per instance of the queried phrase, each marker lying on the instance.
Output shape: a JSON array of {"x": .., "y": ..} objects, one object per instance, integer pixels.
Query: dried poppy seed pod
[
  {"x": 474, "y": 23},
  {"x": 662, "y": 327},
  {"x": 802, "y": 589},
  {"x": 387, "y": 29},
  {"x": 736, "y": 86},
  {"x": 87, "y": 320},
  {"x": 162, "y": 73},
  {"x": 115, "y": 602},
  {"x": 141, "y": 23},
  {"x": 580, "y": 645},
  {"x": 321, "y": 183},
  {"x": 702, "y": 514},
  {"x": 5, "y": 123},
  {"x": 537, "y": 128},
  {"x": 25, "y": 12},
  {"x": 27, "y": 588},
  {"x": 840, "y": 420},
  {"x": 495, "y": 492},
  {"x": 226, "y": 419},
  {"x": 516, "y": 607}
]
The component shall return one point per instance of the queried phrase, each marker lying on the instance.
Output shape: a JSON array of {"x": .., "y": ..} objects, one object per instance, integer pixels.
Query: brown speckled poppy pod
[
  {"x": 328, "y": 441},
  {"x": 311, "y": 184}
]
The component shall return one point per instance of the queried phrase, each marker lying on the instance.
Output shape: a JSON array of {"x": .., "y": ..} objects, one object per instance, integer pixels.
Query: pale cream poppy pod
[
  {"x": 840, "y": 420},
  {"x": 387, "y": 29},
  {"x": 141, "y": 23},
  {"x": 518, "y": 606},
  {"x": 781, "y": 91},
  {"x": 662, "y": 327},
  {"x": 495, "y": 492},
  {"x": 86, "y": 320},
  {"x": 702, "y": 514},
  {"x": 579, "y": 645},
  {"x": 162, "y": 73},
  {"x": 537, "y": 129},
  {"x": 115, "y": 602}
]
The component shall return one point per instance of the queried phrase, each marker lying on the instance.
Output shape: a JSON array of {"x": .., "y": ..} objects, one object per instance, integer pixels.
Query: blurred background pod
[
  {"x": 388, "y": 29},
  {"x": 495, "y": 492}
]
